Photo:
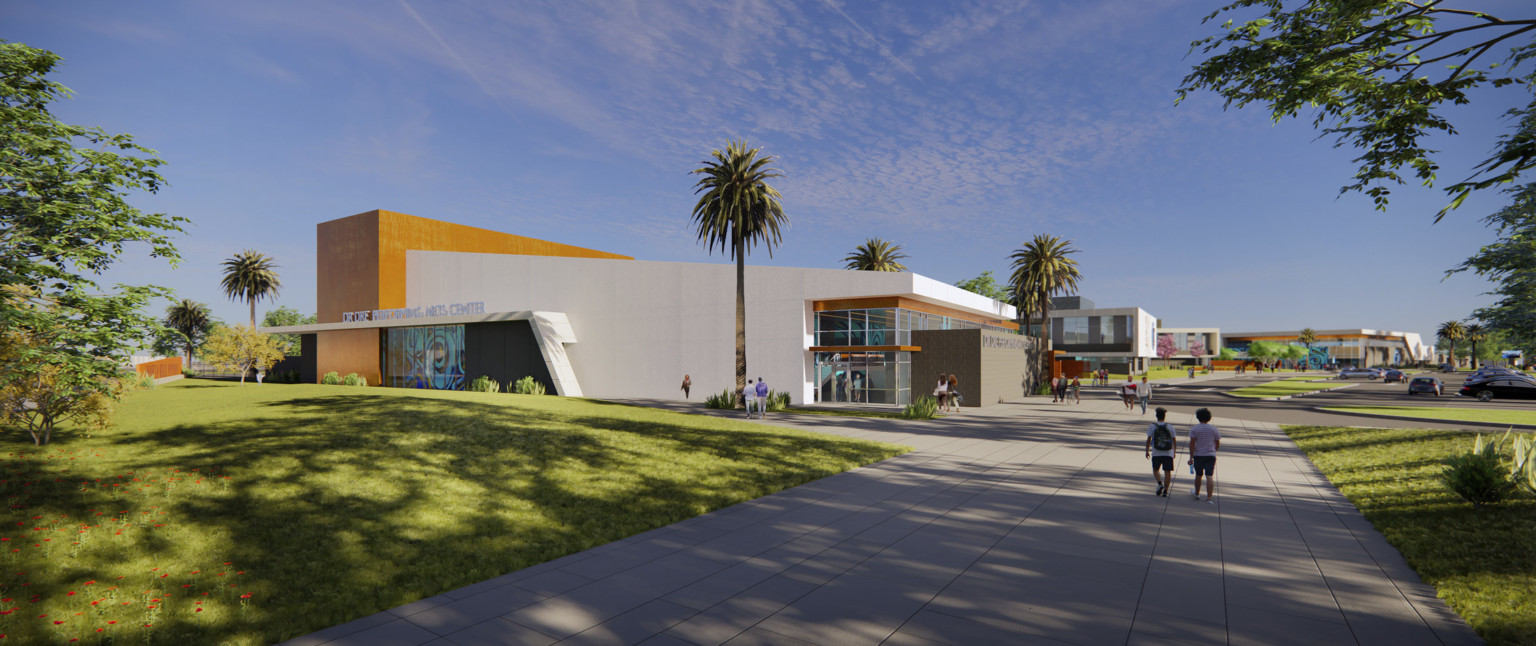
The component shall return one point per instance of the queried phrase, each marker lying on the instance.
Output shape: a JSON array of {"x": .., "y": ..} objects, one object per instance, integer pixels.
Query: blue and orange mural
[{"x": 425, "y": 357}]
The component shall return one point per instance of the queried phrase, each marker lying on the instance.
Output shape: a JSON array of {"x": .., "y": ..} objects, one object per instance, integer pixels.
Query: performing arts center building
[{"x": 417, "y": 303}]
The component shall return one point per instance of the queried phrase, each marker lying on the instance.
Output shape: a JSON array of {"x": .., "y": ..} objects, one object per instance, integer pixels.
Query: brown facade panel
[
  {"x": 348, "y": 351},
  {"x": 991, "y": 367},
  {"x": 346, "y": 266}
]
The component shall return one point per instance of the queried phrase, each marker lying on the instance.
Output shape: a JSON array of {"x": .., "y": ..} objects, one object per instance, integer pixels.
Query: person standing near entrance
[
  {"x": 1144, "y": 393},
  {"x": 762, "y": 397},
  {"x": 1162, "y": 446},
  {"x": 687, "y": 384},
  {"x": 1204, "y": 442},
  {"x": 749, "y": 395}
]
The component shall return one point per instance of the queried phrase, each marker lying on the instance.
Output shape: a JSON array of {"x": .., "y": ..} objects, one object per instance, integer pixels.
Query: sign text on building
[{"x": 455, "y": 309}]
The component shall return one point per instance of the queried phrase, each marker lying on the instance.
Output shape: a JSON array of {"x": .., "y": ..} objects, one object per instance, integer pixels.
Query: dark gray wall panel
[{"x": 505, "y": 351}]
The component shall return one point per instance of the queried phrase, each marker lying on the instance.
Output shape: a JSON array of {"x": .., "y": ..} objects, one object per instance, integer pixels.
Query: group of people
[
  {"x": 947, "y": 392},
  {"x": 1163, "y": 446},
  {"x": 1061, "y": 387},
  {"x": 1132, "y": 392},
  {"x": 1100, "y": 377},
  {"x": 756, "y": 397}
]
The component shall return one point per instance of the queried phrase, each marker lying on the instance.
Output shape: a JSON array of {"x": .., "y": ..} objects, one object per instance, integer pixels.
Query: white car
[{"x": 1359, "y": 373}]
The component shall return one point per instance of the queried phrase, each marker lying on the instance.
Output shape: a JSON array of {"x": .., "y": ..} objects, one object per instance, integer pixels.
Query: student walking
[
  {"x": 1162, "y": 446},
  {"x": 749, "y": 395},
  {"x": 953, "y": 389},
  {"x": 1077, "y": 390},
  {"x": 1204, "y": 442},
  {"x": 1061, "y": 389},
  {"x": 1054, "y": 380},
  {"x": 1128, "y": 392},
  {"x": 687, "y": 385},
  {"x": 1144, "y": 393},
  {"x": 762, "y": 398},
  {"x": 941, "y": 391}
]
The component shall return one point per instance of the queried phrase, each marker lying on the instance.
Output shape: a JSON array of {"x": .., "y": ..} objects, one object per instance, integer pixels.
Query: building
[
  {"x": 1348, "y": 347},
  {"x": 1086, "y": 337},
  {"x": 411, "y": 302},
  {"x": 1186, "y": 337}
]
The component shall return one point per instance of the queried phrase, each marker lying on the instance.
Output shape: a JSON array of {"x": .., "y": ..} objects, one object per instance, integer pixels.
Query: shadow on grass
[{"x": 350, "y": 504}]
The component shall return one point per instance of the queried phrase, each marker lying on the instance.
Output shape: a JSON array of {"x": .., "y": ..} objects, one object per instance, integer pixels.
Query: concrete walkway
[{"x": 1022, "y": 523}]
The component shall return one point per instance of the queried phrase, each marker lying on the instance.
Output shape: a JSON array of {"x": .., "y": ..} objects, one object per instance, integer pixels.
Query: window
[
  {"x": 1074, "y": 330},
  {"x": 1107, "y": 329}
]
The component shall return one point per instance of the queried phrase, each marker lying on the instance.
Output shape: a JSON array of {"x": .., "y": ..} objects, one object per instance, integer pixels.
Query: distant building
[
  {"x": 1122, "y": 339},
  {"x": 1348, "y": 347},
  {"x": 1186, "y": 337}
]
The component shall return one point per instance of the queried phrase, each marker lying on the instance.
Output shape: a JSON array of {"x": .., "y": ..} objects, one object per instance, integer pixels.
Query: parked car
[
  {"x": 1500, "y": 387},
  {"x": 1428, "y": 385},
  {"x": 1353, "y": 372},
  {"x": 1447, "y": 367},
  {"x": 1394, "y": 377}
]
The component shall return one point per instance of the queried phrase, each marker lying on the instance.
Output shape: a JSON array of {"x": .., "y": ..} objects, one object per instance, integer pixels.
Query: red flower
[
  {"x": 57, "y": 623},
  {"x": 70, "y": 594}
]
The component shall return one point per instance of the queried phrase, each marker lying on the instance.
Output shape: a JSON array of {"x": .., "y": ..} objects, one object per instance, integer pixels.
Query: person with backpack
[{"x": 1162, "y": 446}]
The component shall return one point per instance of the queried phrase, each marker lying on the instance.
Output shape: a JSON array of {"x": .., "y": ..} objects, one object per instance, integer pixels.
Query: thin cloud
[{"x": 878, "y": 45}]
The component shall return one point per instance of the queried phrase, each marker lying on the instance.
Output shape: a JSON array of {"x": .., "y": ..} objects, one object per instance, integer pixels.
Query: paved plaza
[{"x": 1021, "y": 523}]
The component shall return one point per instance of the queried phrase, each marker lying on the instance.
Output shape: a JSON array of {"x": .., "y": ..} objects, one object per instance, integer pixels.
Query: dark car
[
  {"x": 1394, "y": 377},
  {"x": 1500, "y": 387},
  {"x": 1428, "y": 385},
  {"x": 1447, "y": 367}
]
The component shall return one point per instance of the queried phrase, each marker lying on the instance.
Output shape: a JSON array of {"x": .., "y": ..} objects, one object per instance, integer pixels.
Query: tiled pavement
[{"x": 1024, "y": 523}]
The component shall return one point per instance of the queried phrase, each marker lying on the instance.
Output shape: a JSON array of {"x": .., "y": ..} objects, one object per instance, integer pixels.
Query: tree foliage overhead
[
  {"x": 1376, "y": 74},
  {"x": 1510, "y": 263},
  {"x": 986, "y": 285},
  {"x": 876, "y": 255},
  {"x": 65, "y": 218}
]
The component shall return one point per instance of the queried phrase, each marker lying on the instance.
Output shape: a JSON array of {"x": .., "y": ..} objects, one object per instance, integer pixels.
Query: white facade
[{"x": 639, "y": 326}]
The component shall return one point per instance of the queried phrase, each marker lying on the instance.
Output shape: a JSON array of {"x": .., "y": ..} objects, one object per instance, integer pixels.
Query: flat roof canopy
[{"x": 461, "y": 319}]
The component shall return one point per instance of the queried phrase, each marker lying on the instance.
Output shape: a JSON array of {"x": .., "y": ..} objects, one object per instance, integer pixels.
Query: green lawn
[
  {"x": 1482, "y": 562},
  {"x": 215, "y": 513},
  {"x": 1284, "y": 387},
  {"x": 1494, "y": 415}
]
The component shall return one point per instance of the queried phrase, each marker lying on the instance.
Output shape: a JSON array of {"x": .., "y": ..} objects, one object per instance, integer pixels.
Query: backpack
[{"x": 1162, "y": 437}]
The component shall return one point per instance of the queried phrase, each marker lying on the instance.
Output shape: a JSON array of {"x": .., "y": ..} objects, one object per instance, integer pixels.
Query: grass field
[
  {"x": 1482, "y": 562},
  {"x": 1284, "y": 387},
  {"x": 1491, "y": 415},
  {"x": 215, "y": 513}
]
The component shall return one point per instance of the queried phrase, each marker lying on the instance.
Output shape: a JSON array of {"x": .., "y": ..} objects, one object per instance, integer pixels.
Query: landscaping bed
[
  {"x": 215, "y": 513},
  {"x": 1486, "y": 415},
  {"x": 1287, "y": 387},
  {"x": 1482, "y": 562}
]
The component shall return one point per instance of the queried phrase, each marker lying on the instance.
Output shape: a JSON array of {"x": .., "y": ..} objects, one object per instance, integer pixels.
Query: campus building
[
  {"x": 1348, "y": 347},
  {"x": 411, "y": 302},
  {"x": 1086, "y": 338},
  {"x": 1205, "y": 339}
]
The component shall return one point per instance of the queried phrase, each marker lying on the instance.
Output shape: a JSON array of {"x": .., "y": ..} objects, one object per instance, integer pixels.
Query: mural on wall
[
  {"x": 425, "y": 357},
  {"x": 1317, "y": 358}
]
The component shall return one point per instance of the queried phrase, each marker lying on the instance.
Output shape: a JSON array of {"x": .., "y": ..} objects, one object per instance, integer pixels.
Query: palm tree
[
  {"x": 737, "y": 209},
  {"x": 251, "y": 276},
  {"x": 1307, "y": 337},
  {"x": 876, "y": 255},
  {"x": 190, "y": 318},
  {"x": 1474, "y": 332},
  {"x": 1450, "y": 331},
  {"x": 1042, "y": 268}
]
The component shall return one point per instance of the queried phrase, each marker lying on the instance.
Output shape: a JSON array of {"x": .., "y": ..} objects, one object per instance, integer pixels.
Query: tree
[
  {"x": 875, "y": 255},
  {"x": 1451, "y": 331},
  {"x": 242, "y": 349},
  {"x": 985, "y": 285},
  {"x": 1307, "y": 337},
  {"x": 287, "y": 316},
  {"x": 1473, "y": 333},
  {"x": 1295, "y": 353},
  {"x": 250, "y": 276},
  {"x": 738, "y": 209},
  {"x": 1510, "y": 263},
  {"x": 189, "y": 320},
  {"x": 1265, "y": 351},
  {"x": 1043, "y": 267},
  {"x": 1165, "y": 347},
  {"x": 1197, "y": 348},
  {"x": 1226, "y": 354},
  {"x": 65, "y": 217},
  {"x": 1375, "y": 73}
]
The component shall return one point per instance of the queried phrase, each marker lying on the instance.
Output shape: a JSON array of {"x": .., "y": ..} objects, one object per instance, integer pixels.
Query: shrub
[
  {"x": 291, "y": 376},
  {"x": 354, "y": 379},
  {"x": 1479, "y": 475},
  {"x": 187, "y": 372},
  {"x": 331, "y": 379},
  {"x": 484, "y": 384},
  {"x": 777, "y": 401},
  {"x": 1524, "y": 469},
  {"x": 528, "y": 386},
  {"x": 925, "y": 407},
  {"x": 142, "y": 381},
  {"x": 726, "y": 400},
  {"x": 1043, "y": 389}
]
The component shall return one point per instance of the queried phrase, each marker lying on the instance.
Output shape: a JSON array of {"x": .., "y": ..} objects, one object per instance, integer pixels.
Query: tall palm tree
[
  {"x": 1474, "y": 332},
  {"x": 1043, "y": 268},
  {"x": 190, "y": 318},
  {"x": 1307, "y": 337},
  {"x": 876, "y": 255},
  {"x": 250, "y": 276},
  {"x": 738, "y": 208},
  {"x": 1450, "y": 331}
]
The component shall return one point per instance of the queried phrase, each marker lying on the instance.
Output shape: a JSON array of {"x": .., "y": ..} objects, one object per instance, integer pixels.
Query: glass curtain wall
[
  {"x": 881, "y": 377},
  {"x": 424, "y": 357}
]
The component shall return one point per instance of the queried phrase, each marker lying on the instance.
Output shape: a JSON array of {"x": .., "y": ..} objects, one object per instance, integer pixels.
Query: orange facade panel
[{"x": 348, "y": 351}]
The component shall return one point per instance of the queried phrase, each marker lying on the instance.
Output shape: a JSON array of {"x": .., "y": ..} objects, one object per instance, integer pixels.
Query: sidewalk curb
[
  {"x": 1430, "y": 420},
  {"x": 1285, "y": 397}
]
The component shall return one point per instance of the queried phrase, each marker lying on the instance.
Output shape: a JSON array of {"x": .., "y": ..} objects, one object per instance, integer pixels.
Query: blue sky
[{"x": 956, "y": 129}]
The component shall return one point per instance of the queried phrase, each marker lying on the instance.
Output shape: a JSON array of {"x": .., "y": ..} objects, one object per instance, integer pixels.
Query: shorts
[
  {"x": 1205, "y": 464},
  {"x": 1165, "y": 462}
]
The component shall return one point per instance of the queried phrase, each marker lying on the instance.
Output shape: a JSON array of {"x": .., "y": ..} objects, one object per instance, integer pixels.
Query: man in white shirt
[{"x": 749, "y": 395}]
